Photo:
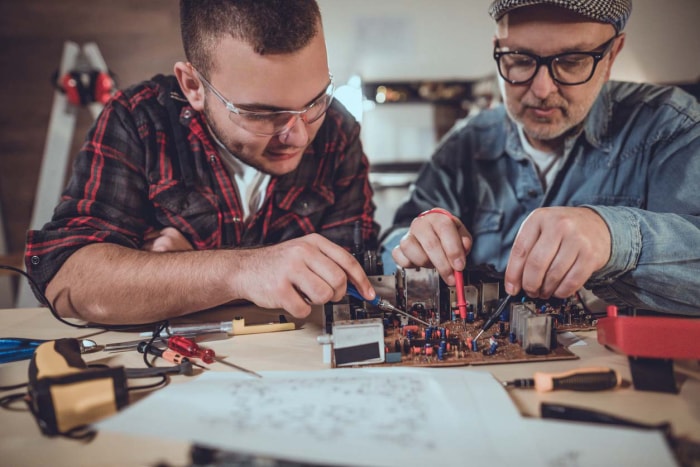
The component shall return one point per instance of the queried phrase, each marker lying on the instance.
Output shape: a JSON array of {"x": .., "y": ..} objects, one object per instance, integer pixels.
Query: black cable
[
  {"x": 163, "y": 382},
  {"x": 45, "y": 301},
  {"x": 156, "y": 334},
  {"x": 14, "y": 386},
  {"x": 6, "y": 401}
]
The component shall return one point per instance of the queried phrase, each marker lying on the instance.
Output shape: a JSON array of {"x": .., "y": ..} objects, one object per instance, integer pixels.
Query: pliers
[{"x": 13, "y": 349}]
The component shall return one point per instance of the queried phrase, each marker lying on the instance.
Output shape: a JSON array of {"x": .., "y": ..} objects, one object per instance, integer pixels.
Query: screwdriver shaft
[{"x": 240, "y": 368}]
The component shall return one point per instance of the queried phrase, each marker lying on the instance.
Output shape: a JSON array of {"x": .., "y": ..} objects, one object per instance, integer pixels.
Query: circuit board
[
  {"x": 419, "y": 323},
  {"x": 494, "y": 346},
  {"x": 415, "y": 342}
]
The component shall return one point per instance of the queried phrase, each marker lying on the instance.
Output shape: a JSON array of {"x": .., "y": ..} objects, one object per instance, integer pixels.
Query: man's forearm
[{"x": 107, "y": 283}]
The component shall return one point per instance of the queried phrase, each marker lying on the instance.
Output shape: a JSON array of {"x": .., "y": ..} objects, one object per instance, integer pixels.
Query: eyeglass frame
[
  {"x": 295, "y": 115},
  {"x": 548, "y": 60}
]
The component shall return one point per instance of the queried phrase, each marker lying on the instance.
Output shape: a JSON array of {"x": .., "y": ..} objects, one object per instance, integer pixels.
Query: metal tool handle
[{"x": 200, "y": 328}]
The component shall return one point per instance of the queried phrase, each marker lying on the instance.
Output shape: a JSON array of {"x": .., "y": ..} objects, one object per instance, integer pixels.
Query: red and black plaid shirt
[{"x": 149, "y": 162}]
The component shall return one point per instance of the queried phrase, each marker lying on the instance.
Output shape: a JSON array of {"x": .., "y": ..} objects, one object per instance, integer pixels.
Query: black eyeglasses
[
  {"x": 568, "y": 68},
  {"x": 276, "y": 122}
]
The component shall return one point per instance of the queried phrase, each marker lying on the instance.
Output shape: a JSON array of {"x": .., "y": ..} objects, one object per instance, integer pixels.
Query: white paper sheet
[
  {"x": 378, "y": 417},
  {"x": 369, "y": 416},
  {"x": 570, "y": 444}
]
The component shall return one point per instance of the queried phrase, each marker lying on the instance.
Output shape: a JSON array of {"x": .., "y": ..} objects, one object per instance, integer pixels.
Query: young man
[
  {"x": 237, "y": 178},
  {"x": 575, "y": 180}
]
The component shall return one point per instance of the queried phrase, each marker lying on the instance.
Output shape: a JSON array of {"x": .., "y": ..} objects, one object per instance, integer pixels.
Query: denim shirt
[{"x": 636, "y": 163}]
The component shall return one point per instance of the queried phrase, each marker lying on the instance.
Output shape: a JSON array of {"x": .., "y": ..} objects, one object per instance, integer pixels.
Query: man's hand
[
  {"x": 297, "y": 273},
  {"x": 167, "y": 239},
  {"x": 435, "y": 240},
  {"x": 556, "y": 251}
]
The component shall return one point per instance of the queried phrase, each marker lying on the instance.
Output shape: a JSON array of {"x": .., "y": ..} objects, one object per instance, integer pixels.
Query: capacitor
[
  {"x": 493, "y": 345},
  {"x": 505, "y": 314},
  {"x": 474, "y": 345}
]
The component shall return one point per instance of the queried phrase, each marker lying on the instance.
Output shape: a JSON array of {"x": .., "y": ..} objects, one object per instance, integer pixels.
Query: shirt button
[
  {"x": 35, "y": 260},
  {"x": 212, "y": 158},
  {"x": 532, "y": 193},
  {"x": 187, "y": 114}
]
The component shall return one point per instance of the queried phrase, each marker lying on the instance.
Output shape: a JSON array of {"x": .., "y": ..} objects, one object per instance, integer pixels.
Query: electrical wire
[{"x": 45, "y": 302}]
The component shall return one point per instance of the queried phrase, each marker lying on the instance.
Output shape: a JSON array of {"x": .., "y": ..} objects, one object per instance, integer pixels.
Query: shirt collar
[{"x": 597, "y": 123}]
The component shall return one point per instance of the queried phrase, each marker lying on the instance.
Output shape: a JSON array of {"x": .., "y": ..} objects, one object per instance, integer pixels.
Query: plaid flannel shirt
[{"x": 149, "y": 162}]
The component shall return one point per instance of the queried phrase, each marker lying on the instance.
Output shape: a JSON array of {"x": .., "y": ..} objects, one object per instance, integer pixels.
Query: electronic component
[{"x": 358, "y": 343}]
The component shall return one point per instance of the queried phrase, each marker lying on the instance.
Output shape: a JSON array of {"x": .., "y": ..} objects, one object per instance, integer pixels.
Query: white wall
[{"x": 444, "y": 39}]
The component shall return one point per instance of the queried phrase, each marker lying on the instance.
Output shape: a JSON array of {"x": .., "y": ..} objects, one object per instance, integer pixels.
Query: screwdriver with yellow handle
[{"x": 582, "y": 379}]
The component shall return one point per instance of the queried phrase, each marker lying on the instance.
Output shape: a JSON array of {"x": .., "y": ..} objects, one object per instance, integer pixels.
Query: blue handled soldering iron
[{"x": 382, "y": 304}]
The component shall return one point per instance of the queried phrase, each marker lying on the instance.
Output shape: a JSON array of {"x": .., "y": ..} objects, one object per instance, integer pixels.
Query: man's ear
[
  {"x": 616, "y": 48},
  {"x": 190, "y": 84}
]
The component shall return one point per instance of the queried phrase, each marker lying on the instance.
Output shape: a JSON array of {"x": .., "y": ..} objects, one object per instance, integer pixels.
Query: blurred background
[{"x": 406, "y": 68}]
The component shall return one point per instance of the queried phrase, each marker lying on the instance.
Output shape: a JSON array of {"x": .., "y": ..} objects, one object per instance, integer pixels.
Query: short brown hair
[{"x": 269, "y": 26}]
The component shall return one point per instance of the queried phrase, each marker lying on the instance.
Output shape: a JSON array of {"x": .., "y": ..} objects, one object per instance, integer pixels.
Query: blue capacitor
[
  {"x": 475, "y": 346},
  {"x": 443, "y": 333},
  {"x": 493, "y": 346},
  {"x": 470, "y": 316},
  {"x": 440, "y": 353},
  {"x": 511, "y": 337},
  {"x": 428, "y": 333}
]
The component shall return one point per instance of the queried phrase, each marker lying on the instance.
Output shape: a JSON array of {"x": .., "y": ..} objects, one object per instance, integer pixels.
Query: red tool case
[{"x": 651, "y": 343}]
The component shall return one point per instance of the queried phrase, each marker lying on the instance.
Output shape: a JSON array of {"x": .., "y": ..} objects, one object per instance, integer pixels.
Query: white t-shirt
[{"x": 250, "y": 183}]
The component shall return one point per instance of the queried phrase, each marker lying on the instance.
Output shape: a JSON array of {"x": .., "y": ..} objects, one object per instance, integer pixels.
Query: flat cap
[{"x": 614, "y": 12}]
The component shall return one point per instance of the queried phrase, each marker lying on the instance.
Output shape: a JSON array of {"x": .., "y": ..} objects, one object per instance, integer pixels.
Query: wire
[
  {"x": 45, "y": 301},
  {"x": 6, "y": 401},
  {"x": 155, "y": 335},
  {"x": 14, "y": 386},
  {"x": 163, "y": 382}
]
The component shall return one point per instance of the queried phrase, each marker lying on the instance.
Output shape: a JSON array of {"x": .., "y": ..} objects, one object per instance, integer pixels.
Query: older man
[{"x": 576, "y": 180}]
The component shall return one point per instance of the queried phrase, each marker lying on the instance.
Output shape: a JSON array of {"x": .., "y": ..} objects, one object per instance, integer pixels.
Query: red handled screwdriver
[
  {"x": 583, "y": 379},
  {"x": 166, "y": 354},
  {"x": 189, "y": 348}
]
